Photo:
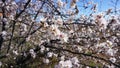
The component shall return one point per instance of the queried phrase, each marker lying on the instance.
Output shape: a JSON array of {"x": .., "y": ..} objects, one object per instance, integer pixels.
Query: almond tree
[{"x": 51, "y": 34}]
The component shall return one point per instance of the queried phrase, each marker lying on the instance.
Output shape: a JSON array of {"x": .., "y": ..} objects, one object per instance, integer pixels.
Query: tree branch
[{"x": 14, "y": 22}]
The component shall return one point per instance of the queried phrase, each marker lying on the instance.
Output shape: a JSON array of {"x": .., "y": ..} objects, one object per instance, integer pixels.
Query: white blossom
[
  {"x": 28, "y": 38},
  {"x": 45, "y": 24},
  {"x": 87, "y": 67},
  {"x": 65, "y": 64},
  {"x": 33, "y": 54},
  {"x": 43, "y": 19},
  {"x": 104, "y": 22},
  {"x": 113, "y": 59},
  {"x": 47, "y": 49},
  {"x": 11, "y": 17},
  {"x": 101, "y": 21},
  {"x": 13, "y": 3},
  {"x": 68, "y": 64},
  {"x": 109, "y": 42},
  {"x": 75, "y": 61},
  {"x": 79, "y": 49},
  {"x": 15, "y": 52},
  {"x": 4, "y": 33},
  {"x": 19, "y": 19},
  {"x": 56, "y": 55},
  {"x": 5, "y": 20},
  {"x": 111, "y": 66},
  {"x": 55, "y": 30},
  {"x": 0, "y": 63},
  {"x": 49, "y": 54},
  {"x": 62, "y": 58},
  {"x": 46, "y": 61},
  {"x": 111, "y": 51},
  {"x": 42, "y": 49},
  {"x": 58, "y": 34},
  {"x": 101, "y": 45}
]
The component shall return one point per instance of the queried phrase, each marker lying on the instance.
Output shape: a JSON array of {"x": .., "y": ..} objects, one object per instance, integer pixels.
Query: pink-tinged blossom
[
  {"x": 60, "y": 3},
  {"x": 71, "y": 31},
  {"x": 63, "y": 37}
]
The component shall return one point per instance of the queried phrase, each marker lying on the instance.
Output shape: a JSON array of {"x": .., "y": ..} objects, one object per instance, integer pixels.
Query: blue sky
[{"x": 103, "y": 5}]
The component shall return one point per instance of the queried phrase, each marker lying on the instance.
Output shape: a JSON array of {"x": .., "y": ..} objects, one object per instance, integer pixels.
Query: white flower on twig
[{"x": 33, "y": 54}]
